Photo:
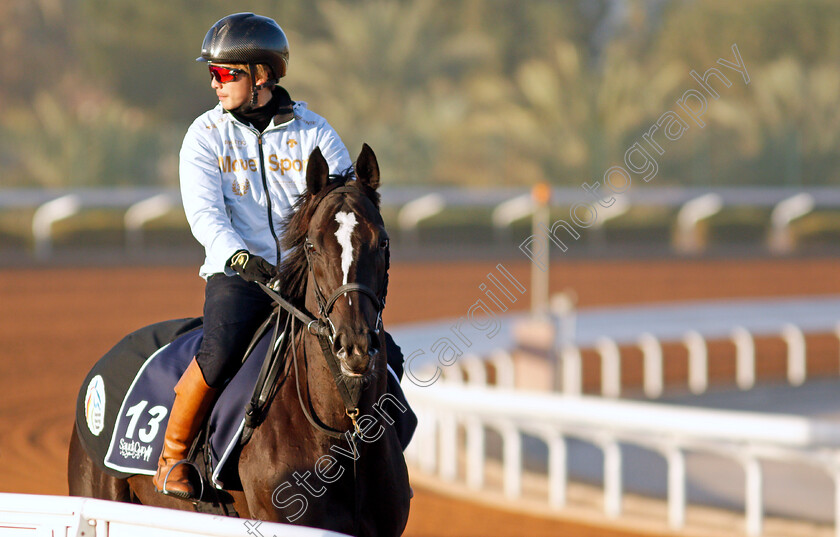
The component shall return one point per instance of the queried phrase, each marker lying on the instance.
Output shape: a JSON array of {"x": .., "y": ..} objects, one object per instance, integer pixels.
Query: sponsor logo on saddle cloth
[
  {"x": 135, "y": 450},
  {"x": 95, "y": 405}
]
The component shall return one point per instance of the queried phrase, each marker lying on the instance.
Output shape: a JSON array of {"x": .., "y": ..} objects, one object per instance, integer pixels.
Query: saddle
[{"x": 123, "y": 406}]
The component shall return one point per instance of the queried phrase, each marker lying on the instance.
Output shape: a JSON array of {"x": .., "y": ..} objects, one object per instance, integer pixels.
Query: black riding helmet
[{"x": 250, "y": 39}]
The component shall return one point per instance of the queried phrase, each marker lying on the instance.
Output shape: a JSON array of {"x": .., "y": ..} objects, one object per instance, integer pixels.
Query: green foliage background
[{"x": 470, "y": 92}]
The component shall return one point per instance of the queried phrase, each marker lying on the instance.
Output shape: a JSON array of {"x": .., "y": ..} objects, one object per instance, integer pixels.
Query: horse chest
[{"x": 314, "y": 480}]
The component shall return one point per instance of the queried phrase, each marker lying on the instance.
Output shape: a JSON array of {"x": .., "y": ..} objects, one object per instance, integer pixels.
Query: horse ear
[
  {"x": 317, "y": 172},
  {"x": 367, "y": 168}
]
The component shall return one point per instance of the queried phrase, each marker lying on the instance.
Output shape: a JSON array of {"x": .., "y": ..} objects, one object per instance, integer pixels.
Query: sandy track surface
[{"x": 55, "y": 323}]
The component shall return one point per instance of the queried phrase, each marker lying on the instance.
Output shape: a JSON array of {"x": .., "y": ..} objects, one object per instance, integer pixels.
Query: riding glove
[{"x": 252, "y": 268}]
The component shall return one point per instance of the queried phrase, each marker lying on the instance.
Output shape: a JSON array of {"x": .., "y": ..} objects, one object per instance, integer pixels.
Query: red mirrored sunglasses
[{"x": 225, "y": 74}]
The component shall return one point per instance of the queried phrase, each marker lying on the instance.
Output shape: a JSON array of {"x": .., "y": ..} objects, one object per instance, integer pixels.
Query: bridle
[
  {"x": 325, "y": 305},
  {"x": 324, "y": 329},
  {"x": 322, "y": 326}
]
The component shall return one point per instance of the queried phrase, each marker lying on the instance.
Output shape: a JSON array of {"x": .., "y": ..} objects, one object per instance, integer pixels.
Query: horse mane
[{"x": 294, "y": 267}]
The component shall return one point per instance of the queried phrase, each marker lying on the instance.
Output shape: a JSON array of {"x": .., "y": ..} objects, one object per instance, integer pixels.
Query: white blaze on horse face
[{"x": 346, "y": 225}]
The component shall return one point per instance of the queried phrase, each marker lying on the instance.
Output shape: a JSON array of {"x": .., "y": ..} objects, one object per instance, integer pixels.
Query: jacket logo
[
  {"x": 241, "y": 189},
  {"x": 286, "y": 164},
  {"x": 227, "y": 164},
  {"x": 275, "y": 163},
  {"x": 292, "y": 142}
]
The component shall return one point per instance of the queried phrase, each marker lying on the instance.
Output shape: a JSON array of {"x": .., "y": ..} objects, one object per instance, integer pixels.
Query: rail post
[
  {"x": 690, "y": 215},
  {"x": 476, "y": 373},
  {"x": 142, "y": 212},
  {"x": 505, "y": 371},
  {"x": 508, "y": 212},
  {"x": 448, "y": 447},
  {"x": 698, "y": 360},
  {"x": 415, "y": 211},
  {"x": 796, "y": 366},
  {"x": 48, "y": 214},
  {"x": 744, "y": 357},
  {"x": 754, "y": 505},
  {"x": 612, "y": 478},
  {"x": 610, "y": 367},
  {"x": 512, "y": 461},
  {"x": 653, "y": 374},
  {"x": 557, "y": 470},
  {"x": 475, "y": 453},
  {"x": 781, "y": 238},
  {"x": 676, "y": 487}
]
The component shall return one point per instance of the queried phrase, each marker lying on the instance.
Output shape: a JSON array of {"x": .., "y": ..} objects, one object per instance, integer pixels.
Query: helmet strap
[
  {"x": 252, "y": 103},
  {"x": 254, "y": 87}
]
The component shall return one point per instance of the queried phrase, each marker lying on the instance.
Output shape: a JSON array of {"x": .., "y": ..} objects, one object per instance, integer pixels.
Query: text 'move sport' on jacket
[{"x": 225, "y": 174}]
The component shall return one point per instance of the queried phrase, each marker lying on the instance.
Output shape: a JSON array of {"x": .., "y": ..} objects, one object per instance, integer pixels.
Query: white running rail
[
  {"x": 507, "y": 205},
  {"x": 456, "y": 412},
  {"x": 37, "y": 515},
  {"x": 745, "y": 437}
]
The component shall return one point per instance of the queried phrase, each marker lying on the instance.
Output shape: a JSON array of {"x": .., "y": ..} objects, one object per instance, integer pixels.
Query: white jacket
[{"x": 225, "y": 175}]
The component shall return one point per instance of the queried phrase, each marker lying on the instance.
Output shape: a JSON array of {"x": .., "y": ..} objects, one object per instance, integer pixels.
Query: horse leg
[{"x": 84, "y": 478}]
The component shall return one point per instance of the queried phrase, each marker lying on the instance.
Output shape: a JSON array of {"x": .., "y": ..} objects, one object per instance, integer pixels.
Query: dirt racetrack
[{"x": 55, "y": 323}]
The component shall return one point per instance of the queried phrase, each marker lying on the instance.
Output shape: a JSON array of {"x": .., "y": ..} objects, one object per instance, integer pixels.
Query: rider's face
[{"x": 235, "y": 93}]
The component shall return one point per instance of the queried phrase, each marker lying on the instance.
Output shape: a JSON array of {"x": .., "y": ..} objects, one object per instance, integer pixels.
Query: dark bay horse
[{"x": 314, "y": 459}]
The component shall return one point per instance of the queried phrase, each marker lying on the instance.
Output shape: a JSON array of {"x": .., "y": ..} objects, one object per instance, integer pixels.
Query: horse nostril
[{"x": 340, "y": 345}]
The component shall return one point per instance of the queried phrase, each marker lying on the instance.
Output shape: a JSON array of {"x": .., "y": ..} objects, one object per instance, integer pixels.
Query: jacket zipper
[{"x": 268, "y": 197}]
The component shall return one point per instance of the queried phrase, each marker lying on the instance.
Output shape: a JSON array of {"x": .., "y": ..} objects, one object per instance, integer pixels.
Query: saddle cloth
[{"x": 123, "y": 406}]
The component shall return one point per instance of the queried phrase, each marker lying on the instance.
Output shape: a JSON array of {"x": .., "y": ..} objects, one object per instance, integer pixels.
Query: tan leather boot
[{"x": 193, "y": 397}]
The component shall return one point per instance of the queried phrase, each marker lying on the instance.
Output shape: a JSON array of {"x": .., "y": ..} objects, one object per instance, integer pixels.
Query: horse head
[{"x": 339, "y": 230}]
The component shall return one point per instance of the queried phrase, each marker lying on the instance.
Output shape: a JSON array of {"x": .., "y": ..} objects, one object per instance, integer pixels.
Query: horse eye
[
  {"x": 310, "y": 247},
  {"x": 384, "y": 244}
]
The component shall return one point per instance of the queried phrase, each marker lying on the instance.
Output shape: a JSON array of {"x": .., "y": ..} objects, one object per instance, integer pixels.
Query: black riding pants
[{"x": 233, "y": 310}]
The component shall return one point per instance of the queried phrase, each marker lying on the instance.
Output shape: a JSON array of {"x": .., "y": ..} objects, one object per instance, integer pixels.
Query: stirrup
[{"x": 182, "y": 495}]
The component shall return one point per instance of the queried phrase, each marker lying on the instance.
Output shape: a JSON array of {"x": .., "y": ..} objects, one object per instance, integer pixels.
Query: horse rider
[{"x": 242, "y": 167}]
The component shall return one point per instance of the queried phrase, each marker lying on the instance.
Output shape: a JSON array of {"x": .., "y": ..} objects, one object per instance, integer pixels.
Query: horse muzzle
[{"x": 356, "y": 352}]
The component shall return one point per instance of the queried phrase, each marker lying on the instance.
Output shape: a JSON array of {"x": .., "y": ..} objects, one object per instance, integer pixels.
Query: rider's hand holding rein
[{"x": 253, "y": 268}]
